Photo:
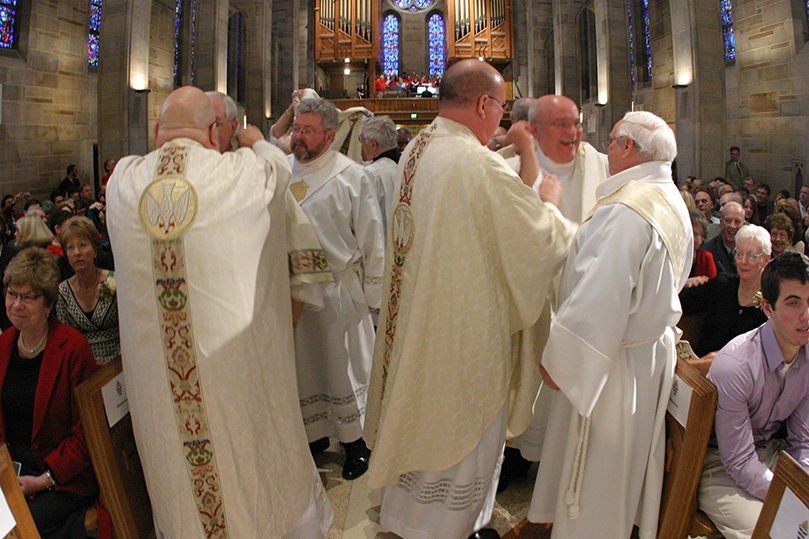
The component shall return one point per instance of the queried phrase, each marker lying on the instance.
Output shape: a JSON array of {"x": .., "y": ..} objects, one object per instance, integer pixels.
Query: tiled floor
[{"x": 356, "y": 508}]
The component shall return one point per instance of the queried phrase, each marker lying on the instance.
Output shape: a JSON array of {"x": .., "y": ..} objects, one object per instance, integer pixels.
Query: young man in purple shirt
[{"x": 762, "y": 378}]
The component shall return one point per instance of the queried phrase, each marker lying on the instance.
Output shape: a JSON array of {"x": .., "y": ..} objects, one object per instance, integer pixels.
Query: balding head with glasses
[{"x": 556, "y": 127}]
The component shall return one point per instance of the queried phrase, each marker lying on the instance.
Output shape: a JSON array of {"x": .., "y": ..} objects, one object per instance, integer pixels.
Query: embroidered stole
[
  {"x": 401, "y": 238},
  {"x": 167, "y": 208},
  {"x": 651, "y": 203}
]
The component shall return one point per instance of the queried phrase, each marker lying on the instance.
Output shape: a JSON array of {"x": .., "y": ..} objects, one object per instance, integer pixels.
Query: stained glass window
[
  {"x": 647, "y": 42},
  {"x": 95, "y": 32},
  {"x": 8, "y": 23},
  {"x": 390, "y": 45},
  {"x": 413, "y": 5},
  {"x": 631, "y": 40},
  {"x": 436, "y": 29},
  {"x": 726, "y": 12},
  {"x": 178, "y": 42},
  {"x": 193, "y": 39}
]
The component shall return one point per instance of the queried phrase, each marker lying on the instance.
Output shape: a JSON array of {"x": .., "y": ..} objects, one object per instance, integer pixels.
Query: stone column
[
  {"x": 285, "y": 56},
  {"x": 259, "y": 45},
  {"x": 123, "y": 77},
  {"x": 565, "y": 38},
  {"x": 211, "y": 66},
  {"x": 699, "y": 82},
  {"x": 614, "y": 95}
]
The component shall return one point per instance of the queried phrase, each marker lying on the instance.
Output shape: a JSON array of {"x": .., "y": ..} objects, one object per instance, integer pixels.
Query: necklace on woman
[
  {"x": 35, "y": 348},
  {"x": 93, "y": 286}
]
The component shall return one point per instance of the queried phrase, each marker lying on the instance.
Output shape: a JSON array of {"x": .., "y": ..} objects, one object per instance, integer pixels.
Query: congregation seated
[
  {"x": 781, "y": 232},
  {"x": 732, "y": 302},
  {"x": 791, "y": 210},
  {"x": 32, "y": 232},
  {"x": 762, "y": 380},
  {"x": 751, "y": 210},
  {"x": 721, "y": 246},
  {"x": 87, "y": 300},
  {"x": 703, "y": 264},
  {"x": 41, "y": 362}
]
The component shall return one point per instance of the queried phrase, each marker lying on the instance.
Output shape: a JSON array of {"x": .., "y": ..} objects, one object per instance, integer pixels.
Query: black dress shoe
[
  {"x": 357, "y": 455},
  {"x": 485, "y": 533},
  {"x": 319, "y": 446}
]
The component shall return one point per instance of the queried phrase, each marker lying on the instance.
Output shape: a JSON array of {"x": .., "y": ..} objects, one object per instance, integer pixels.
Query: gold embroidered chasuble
[
  {"x": 207, "y": 343},
  {"x": 480, "y": 251}
]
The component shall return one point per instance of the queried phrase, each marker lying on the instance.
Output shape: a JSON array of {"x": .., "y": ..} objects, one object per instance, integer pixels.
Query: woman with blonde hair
[
  {"x": 32, "y": 232},
  {"x": 87, "y": 300}
]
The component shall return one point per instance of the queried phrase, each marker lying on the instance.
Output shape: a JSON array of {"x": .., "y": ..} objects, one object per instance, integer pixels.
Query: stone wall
[
  {"x": 161, "y": 59},
  {"x": 658, "y": 96},
  {"x": 48, "y": 101},
  {"x": 768, "y": 92}
]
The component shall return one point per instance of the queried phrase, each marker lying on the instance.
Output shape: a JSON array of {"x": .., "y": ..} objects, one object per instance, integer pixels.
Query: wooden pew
[
  {"x": 115, "y": 459},
  {"x": 788, "y": 474},
  {"x": 685, "y": 453},
  {"x": 25, "y": 528}
]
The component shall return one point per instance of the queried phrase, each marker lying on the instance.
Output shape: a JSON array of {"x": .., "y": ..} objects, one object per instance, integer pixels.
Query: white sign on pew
[
  {"x": 7, "y": 521},
  {"x": 792, "y": 519},
  {"x": 680, "y": 400},
  {"x": 115, "y": 402}
]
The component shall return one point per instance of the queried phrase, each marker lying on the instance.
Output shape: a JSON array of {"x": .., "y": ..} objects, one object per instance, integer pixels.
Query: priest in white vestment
[
  {"x": 308, "y": 269},
  {"x": 203, "y": 288},
  {"x": 611, "y": 349},
  {"x": 471, "y": 253},
  {"x": 580, "y": 168},
  {"x": 378, "y": 139},
  {"x": 334, "y": 346}
]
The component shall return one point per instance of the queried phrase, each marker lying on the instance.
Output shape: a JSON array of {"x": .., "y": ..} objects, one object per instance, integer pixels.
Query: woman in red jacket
[{"x": 41, "y": 362}]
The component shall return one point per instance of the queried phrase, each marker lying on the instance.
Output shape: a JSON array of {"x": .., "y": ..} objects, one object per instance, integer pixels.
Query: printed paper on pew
[
  {"x": 680, "y": 400},
  {"x": 7, "y": 521},
  {"x": 115, "y": 403},
  {"x": 792, "y": 518}
]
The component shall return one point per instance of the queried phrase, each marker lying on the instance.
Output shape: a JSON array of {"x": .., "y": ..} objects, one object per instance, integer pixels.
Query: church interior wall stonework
[
  {"x": 49, "y": 101},
  {"x": 767, "y": 96},
  {"x": 161, "y": 59}
]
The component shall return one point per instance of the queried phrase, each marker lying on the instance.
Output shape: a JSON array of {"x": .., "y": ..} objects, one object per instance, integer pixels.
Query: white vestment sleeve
[
  {"x": 367, "y": 219},
  {"x": 589, "y": 327},
  {"x": 276, "y": 160}
]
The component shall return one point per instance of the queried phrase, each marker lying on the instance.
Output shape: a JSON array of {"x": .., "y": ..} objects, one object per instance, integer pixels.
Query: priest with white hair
[{"x": 611, "y": 351}]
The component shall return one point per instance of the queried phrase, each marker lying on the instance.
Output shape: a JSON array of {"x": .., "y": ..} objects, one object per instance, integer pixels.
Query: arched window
[
  {"x": 95, "y": 33},
  {"x": 640, "y": 40},
  {"x": 8, "y": 24},
  {"x": 390, "y": 45},
  {"x": 182, "y": 8},
  {"x": 588, "y": 66},
  {"x": 413, "y": 5},
  {"x": 726, "y": 12},
  {"x": 237, "y": 76},
  {"x": 436, "y": 39}
]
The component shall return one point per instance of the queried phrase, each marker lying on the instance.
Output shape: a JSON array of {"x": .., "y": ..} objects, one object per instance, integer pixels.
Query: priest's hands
[
  {"x": 249, "y": 136},
  {"x": 520, "y": 136},
  {"x": 546, "y": 379},
  {"x": 550, "y": 190}
]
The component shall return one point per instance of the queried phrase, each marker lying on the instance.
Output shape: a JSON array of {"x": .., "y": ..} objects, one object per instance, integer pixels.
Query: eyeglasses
[
  {"x": 503, "y": 104},
  {"x": 26, "y": 299},
  {"x": 306, "y": 131},
  {"x": 750, "y": 257},
  {"x": 561, "y": 124},
  {"x": 606, "y": 143}
]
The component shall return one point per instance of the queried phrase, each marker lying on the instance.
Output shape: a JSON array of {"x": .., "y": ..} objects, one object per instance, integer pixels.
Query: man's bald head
[
  {"x": 187, "y": 112},
  {"x": 467, "y": 80},
  {"x": 556, "y": 126},
  {"x": 548, "y": 106}
]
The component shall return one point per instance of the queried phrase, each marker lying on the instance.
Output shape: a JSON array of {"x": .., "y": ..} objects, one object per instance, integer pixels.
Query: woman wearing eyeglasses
[
  {"x": 41, "y": 362},
  {"x": 732, "y": 302}
]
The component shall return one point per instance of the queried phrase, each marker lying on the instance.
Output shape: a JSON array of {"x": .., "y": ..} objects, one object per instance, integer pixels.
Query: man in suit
[
  {"x": 721, "y": 247},
  {"x": 735, "y": 171}
]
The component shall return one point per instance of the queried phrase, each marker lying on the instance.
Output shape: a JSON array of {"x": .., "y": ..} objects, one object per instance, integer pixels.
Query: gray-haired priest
[{"x": 611, "y": 349}]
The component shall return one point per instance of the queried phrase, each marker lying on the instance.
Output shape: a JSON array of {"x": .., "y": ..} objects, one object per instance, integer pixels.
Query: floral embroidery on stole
[
  {"x": 167, "y": 208},
  {"x": 402, "y": 234}
]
